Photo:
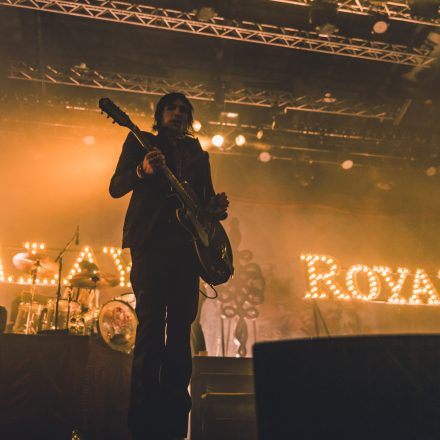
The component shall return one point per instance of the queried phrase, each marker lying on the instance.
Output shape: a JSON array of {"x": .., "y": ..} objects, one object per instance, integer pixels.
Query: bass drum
[
  {"x": 117, "y": 323},
  {"x": 129, "y": 298}
]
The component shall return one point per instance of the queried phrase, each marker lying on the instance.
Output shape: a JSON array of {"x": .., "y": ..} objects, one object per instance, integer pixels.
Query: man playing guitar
[{"x": 165, "y": 270}]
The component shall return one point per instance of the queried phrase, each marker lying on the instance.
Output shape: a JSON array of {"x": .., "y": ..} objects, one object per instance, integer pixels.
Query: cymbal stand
[
  {"x": 318, "y": 318},
  {"x": 59, "y": 258},
  {"x": 69, "y": 299},
  {"x": 34, "y": 274}
]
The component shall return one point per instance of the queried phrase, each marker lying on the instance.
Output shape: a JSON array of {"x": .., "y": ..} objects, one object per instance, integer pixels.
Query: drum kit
[{"x": 77, "y": 310}]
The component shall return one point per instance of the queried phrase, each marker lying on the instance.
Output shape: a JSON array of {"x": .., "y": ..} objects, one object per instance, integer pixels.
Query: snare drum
[{"x": 117, "y": 323}]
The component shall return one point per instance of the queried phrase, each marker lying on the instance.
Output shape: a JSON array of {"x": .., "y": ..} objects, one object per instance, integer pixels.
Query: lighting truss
[
  {"x": 245, "y": 31},
  {"x": 124, "y": 82},
  {"x": 398, "y": 11}
]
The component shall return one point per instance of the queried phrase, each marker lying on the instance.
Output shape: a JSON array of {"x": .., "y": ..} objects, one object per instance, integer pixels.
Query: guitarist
[{"x": 165, "y": 271}]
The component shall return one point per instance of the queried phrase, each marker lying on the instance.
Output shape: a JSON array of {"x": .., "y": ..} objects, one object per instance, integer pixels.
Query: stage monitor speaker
[
  {"x": 222, "y": 391},
  {"x": 367, "y": 387}
]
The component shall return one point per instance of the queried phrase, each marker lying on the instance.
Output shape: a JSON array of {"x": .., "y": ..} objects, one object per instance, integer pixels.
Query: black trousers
[{"x": 165, "y": 281}]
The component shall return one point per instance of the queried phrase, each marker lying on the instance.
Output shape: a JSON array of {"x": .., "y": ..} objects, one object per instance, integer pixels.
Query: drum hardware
[
  {"x": 59, "y": 259},
  {"x": 68, "y": 311},
  {"x": 32, "y": 263},
  {"x": 94, "y": 280}
]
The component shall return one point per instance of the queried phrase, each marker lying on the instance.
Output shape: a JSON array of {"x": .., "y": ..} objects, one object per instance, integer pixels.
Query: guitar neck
[{"x": 184, "y": 197}]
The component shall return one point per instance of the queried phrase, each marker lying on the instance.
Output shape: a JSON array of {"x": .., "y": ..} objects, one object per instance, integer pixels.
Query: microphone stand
[{"x": 59, "y": 258}]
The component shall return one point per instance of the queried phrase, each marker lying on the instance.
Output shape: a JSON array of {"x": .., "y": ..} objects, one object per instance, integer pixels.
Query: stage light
[
  {"x": 240, "y": 140},
  {"x": 347, "y": 164},
  {"x": 197, "y": 126},
  {"x": 323, "y": 17},
  {"x": 265, "y": 156},
  {"x": 205, "y": 13},
  {"x": 431, "y": 171},
  {"x": 328, "y": 98},
  {"x": 260, "y": 134},
  {"x": 381, "y": 23},
  {"x": 228, "y": 117},
  {"x": 88, "y": 140},
  {"x": 217, "y": 140}
]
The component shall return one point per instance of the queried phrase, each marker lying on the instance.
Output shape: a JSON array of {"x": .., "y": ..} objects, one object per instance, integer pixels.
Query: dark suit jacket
[{"x": 149, "y": 194}]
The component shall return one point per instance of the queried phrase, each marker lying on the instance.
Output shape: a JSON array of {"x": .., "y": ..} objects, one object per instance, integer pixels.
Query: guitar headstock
[{"x": 114, "y": 112}]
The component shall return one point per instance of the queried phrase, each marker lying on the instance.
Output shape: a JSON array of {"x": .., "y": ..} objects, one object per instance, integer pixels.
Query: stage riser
[{"x": 52, "y": 384}]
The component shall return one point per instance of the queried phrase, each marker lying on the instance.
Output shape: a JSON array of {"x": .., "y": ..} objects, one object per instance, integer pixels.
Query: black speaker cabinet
[
  {"x": 222, "y": 392},
  {"x": 372, "y": 387}
]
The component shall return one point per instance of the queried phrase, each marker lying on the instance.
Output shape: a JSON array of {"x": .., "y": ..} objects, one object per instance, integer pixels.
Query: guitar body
[
  {"x": 215, "y": 253},
  {"x": 216, "y": 259}
]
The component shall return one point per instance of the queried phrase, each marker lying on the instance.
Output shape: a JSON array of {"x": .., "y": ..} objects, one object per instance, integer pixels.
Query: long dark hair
[{"x": 169, "y": 99}]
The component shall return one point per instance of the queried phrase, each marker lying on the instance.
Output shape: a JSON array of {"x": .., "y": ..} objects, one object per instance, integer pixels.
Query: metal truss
[
  {"x": 276, "y": 100},
  {"x": 398, "y": 11},
  {"x": 245, "y": 31}
]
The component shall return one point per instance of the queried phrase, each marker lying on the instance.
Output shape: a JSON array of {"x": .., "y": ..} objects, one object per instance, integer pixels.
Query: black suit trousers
[{"x": 165, "y": 281}]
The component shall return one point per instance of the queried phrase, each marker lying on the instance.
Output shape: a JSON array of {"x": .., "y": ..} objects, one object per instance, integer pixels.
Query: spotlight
[
  {"x": 381, "y": 23},
  {"x": 196, "y": 125},
  {"x": 431, "y": 171},
  {"x": 260, "y": 134},
  {"x": 323, "y": 17},
  {"x": 265, "y": 156},
  {"x": 204, "y": 9},
  {"x": 88, "y": 140},
  {"x": 217, "y": 140},
  {"x": 329, "y": 98},
  {"x": 229, "y": 118},
  {"x": 347, "y": 164},
  {"x": 240, "y": 140},
  {"x": 232, "y": 115}
]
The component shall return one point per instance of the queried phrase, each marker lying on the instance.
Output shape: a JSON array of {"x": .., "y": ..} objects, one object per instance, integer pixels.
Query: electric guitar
[{"x": 210, "y": 239}]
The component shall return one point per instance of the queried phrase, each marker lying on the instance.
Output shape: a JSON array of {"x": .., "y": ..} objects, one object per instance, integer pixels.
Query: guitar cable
[{"x": 206, "y": 295}]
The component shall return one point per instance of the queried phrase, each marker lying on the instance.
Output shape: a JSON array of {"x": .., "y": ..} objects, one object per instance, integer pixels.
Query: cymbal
[
  {"x": 93, "y": 281},
  {"x": 87, "y": 266},
  {"x": 28, "y": 262}
]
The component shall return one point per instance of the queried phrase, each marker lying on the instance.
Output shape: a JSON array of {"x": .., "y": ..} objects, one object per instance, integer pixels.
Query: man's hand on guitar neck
[
  {"x": 153, "y": 161},
  {"x": 217, "y": 207}
]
